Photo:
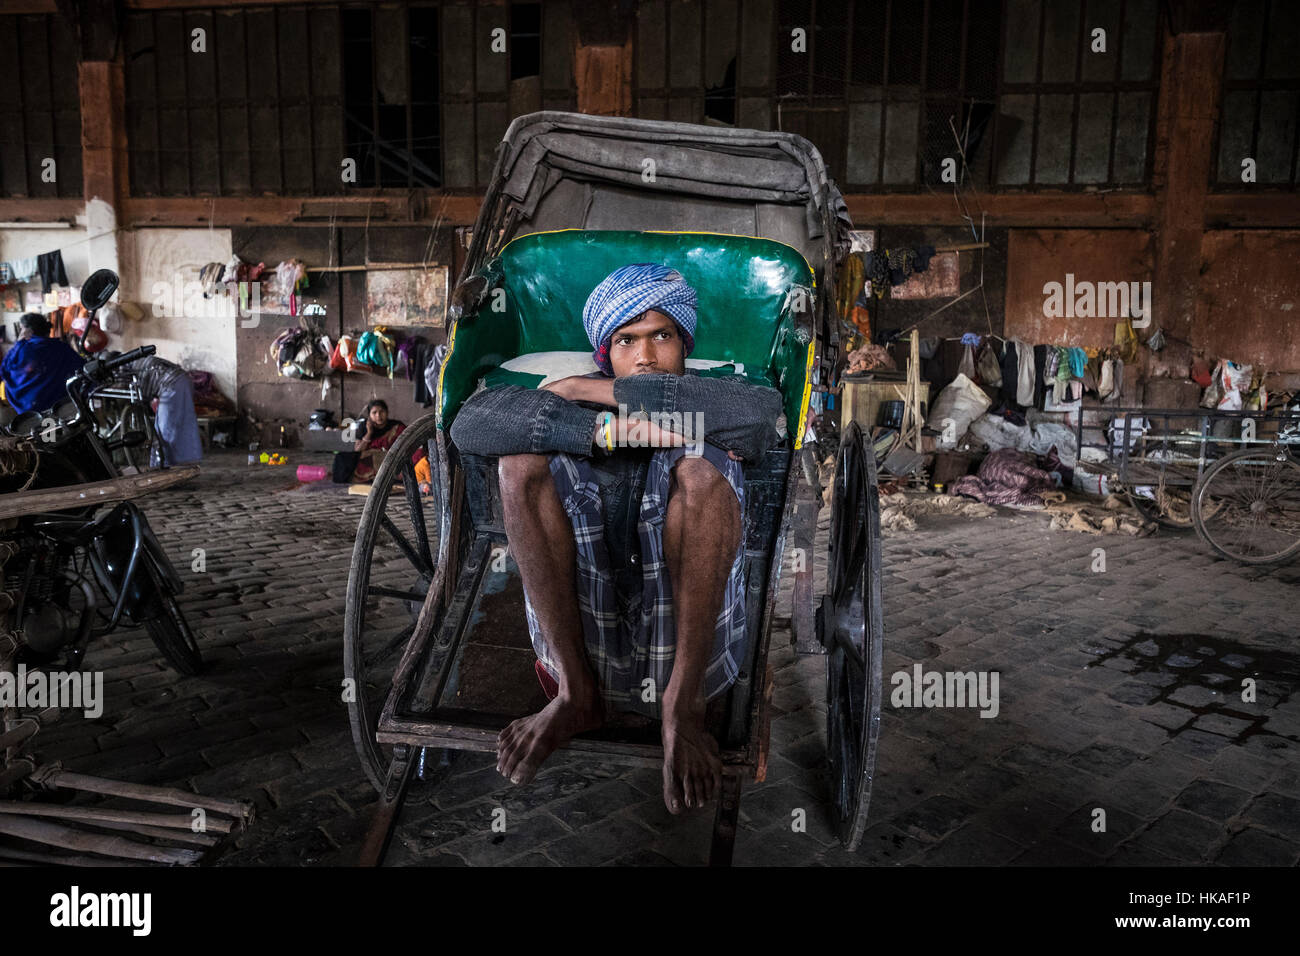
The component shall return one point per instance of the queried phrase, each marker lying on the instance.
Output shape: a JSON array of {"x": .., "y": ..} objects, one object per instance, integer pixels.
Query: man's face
[{"x": 647, "y": 345}]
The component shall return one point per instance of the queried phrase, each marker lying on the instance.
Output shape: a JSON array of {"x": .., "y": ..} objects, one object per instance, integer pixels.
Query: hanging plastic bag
[
  {"x": 1126, "y": 340},
  {"x": 988, "y": 367},
  {"x": 375, "y": 348},
  {"x": 957, "y": 406},
  {"x": 967, "y": 364}
]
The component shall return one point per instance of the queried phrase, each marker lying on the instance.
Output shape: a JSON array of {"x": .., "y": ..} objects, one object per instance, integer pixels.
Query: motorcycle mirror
[{"x": 98, "y": 289}]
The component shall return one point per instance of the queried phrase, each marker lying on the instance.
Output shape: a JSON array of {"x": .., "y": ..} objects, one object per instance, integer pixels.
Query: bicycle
[
  {"x": 1246, "y": 506},
  {"x": 124, "y": 422}
]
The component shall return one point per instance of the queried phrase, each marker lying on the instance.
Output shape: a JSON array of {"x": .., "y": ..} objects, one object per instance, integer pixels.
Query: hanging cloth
[
  {"x": 23, "y": 269},
  {"x": 1107, "y": 383},
  {"x": 1026, "y": 379},
  {"x": 50, "y": 266},
  {"x": 1010, "y": 371}
]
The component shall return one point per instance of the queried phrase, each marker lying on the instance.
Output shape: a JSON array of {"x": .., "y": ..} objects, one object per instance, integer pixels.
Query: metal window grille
[
  {"x": 40, "y": 113},
  {"x": 1259, "y": 115},
  {"x": 413, "y": 93}
]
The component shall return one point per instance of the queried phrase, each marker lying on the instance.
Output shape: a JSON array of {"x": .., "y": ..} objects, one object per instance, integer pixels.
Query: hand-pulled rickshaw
[{"x": 436, "y": 647}]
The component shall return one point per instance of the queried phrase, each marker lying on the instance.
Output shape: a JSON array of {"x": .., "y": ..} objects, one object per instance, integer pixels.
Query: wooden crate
[{"x": 860, "y": 399}]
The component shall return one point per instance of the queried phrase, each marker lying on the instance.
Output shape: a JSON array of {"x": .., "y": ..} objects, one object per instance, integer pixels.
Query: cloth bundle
[{"x": 1006, "y": 477}]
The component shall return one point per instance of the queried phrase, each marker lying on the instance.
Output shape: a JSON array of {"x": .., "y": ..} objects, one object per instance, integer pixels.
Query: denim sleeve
[
  {"x": 738, "y": 415},
  {"x": 513, "y": 420}
]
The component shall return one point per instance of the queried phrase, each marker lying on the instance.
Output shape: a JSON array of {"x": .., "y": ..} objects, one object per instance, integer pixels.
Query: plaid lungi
[{"x": 629, "y": 632}]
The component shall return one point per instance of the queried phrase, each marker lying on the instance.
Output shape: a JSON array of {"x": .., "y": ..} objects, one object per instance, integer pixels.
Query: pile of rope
[{"x": 18, "y": 458}]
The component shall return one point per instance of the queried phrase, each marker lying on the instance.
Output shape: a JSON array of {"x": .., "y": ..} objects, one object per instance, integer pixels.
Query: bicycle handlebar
[{"x": 97, "y": 367}]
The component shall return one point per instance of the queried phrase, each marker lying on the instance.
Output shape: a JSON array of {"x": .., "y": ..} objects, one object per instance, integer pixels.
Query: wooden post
[
  {"x": 1190, "y": 82},
  {"x": 51, "y": 776},
  {"x": 103, "y": 131},
  {"x": 53, "y": 834},
  {"x": 602, "y": 57}
]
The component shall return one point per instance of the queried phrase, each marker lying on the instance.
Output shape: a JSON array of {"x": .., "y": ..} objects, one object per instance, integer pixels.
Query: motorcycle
[{"x": 56, "y": 556}]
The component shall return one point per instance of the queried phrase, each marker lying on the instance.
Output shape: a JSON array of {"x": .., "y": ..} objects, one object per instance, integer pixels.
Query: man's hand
[
  {"x": 579, "y": 388},
  {"x": 639, "y": 432}
]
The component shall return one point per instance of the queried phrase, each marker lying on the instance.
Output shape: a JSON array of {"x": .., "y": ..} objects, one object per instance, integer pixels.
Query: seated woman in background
[{"x": 376, "y": 437}]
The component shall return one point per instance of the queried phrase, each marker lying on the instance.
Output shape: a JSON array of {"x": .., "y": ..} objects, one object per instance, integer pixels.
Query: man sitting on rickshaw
[{"x": 628, "y": 532}]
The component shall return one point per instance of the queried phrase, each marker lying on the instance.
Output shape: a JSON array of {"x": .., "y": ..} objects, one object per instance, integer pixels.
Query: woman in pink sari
[{"x": 379, "y": 434}]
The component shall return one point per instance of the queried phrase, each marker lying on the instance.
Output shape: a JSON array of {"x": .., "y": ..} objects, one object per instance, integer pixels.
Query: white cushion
[{"x": 557, "y": 365}]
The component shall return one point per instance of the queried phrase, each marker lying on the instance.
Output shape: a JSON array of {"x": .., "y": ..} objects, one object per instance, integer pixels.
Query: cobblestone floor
[{"x": 1119, "y": 690}]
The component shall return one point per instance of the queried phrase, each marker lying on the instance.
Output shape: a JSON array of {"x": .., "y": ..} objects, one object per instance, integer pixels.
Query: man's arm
[
  {"x": 738, "y": 415},
  {"x": 513, "y": 420}
]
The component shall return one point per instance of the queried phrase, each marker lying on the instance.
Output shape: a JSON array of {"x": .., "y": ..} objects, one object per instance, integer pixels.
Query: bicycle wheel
[
  {"x": 172, "y": 635},
  {"x": 1247, "y": 507}
]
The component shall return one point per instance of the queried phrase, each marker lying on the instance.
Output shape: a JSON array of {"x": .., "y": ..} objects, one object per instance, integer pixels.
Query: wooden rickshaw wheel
[
  {"x": 393, "y": 564},
  {"x": 850, "y": 625}
]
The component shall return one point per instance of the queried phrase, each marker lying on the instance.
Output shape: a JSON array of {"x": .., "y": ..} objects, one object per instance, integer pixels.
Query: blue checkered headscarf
[{"x": 628, "y": 293}]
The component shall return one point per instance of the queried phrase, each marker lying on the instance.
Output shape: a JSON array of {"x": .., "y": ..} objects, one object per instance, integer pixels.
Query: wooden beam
[
  {"x": 219, "y": 4},
  {"x": 409, "y": 208},
  {"x": 103, "y": 131},
  {"x": 1274, "y": 210},
  {"x": 1049, "y": 209},
  {"x": 41, "y": 210},
  {"x": 1190, "y": 82},
  {"x": 51, "y": 6},
  {"x": 1262, "y": 210},
  {"x": 41, "y": 500}
]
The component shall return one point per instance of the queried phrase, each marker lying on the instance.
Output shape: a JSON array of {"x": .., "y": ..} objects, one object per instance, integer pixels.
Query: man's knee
[
  {"x": 696, "y": 474},
  {"x": 697, "y": 484},
  {"x": 518, "y": 473}
]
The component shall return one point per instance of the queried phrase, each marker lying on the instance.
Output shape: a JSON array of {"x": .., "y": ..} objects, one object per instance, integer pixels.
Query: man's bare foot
[
  {"x": 527, "y": 742},
  {"x": 692, "y": 768}
]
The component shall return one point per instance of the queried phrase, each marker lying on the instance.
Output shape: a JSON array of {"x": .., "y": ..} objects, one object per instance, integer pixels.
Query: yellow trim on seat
[
  {"x": 451, "y": 345},
  {"x": 807, "y": 395}
]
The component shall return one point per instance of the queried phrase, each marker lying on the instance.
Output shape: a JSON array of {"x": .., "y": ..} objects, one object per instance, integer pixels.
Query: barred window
[
  {"x": 416, "y": 95},
  {"x": 1261, "y": 96},
  {"x": 40, "y": 113},
  {"x": 1077, "y": 93}
]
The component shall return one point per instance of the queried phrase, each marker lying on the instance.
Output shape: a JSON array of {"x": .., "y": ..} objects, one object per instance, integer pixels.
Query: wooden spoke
[
  {"x": 377, "y": 590},
  {"x": 421, "y": 565},
  {"x": 399, "y": 639}
]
